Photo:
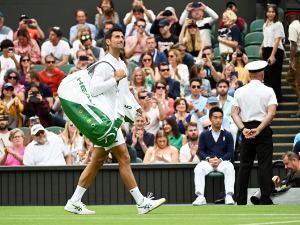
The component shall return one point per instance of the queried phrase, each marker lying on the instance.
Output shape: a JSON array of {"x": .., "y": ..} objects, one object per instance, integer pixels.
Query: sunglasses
[
  {"x": 9, "y": 89},
  {"x": 160, "y": 87},
  {"x": 48, "y": 62},
  {"x": 142, "y": 97},
  {"x": 141, "y": 26},
  {"x": 205, "y": 128},
  {"x": 147, "y": 60},
  {"x": 171, "y": 56},
  {"x": 71, "y": 125},
  {"x": 25, "y": 60},
  {"x": 196, "y": 86},
  {"x": 163, "y": 70},
  {"x": 39, "y": 133},
  {"x": 10, "y": 77},
  {"x": 85, "y": 37}
]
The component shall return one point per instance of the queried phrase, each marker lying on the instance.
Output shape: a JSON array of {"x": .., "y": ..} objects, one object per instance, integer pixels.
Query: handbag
[{"x": 225, "y": 49}]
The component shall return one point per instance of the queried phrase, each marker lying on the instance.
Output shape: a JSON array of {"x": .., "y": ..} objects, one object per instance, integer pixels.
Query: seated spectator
[
  {"x": 215, "y": 150},
  {"x": 139, "y": 138},
  {"x": 240, "y": 22},
  {"x": 234, "y": 83},
  {"x": 8, "y": 60},
  {"x": 199, "y": 72},
  {"x": 59, "y": 48},
  {"x": 203, "y": 23},
  {"x": 4, "y": 133},
  {"x": 25, "y": 66},
  {"x": 96, "y": 52},
  {"x": 36, "y": 104},
  {"x": 83, "y": 31},
  {"x": 179, "y": 71},
  {"x": 31, "y": 25},
  {"x": 191, "y": 38},
  {"x": 81, "y": 18},
  {"x": 139, "y": 81},
  {"x": 45, "y": 151},
  {"x": 188, "y": 152},
  {"x": 239, "y": 60},
  {"x": 147, "y": 14},
  {"x": 149, "y": 68},
  {"x": 72, "y": 139},
  {"x": 181, "y": 116},
  {"x": 85, "y": 154},
  {"x": 33, "y": 77},
  {"x": 12, "y": 76},
  {"x": 100, "y": 17},
  {"x": 171, "y": 128},
  {"x": 159, "y": 89},
  {"x": 196, "y": 102},
  {"x": 13, "y": 156},
  {"x": 158, "y": 56},
  {"x": 168, "y": 14},
  {"x": 186, "y": 57},
  {"x": 11, "y": 105},
  {"x": 5, "y": 32},
  {"x": 51, "y": 75},
  {"x": 101, "y": 42},
  {"x": 59, "y": 117},
  {"x": 24, "y": 45},
  {"x": 82, "y": 61},
  {"x": 162, "y": 151}
]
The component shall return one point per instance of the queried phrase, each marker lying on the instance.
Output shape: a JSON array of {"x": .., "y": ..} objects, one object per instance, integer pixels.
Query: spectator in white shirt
[
  {"x": 5, "y": 32},
  {"x": 188, "y": 152}
]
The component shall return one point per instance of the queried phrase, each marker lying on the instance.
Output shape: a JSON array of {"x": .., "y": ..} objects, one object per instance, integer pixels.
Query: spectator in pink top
[{"x": 13, "y": 156}]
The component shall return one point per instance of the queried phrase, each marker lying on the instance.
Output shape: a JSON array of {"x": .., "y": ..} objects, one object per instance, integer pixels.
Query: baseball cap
[
  {"x": 36, "y": 128},
  {"x": 23, "y": 17},
  {"x": 163, "y": 23},
  {"x": 256, "y": 66},
  {"x": 7, "y": 85},
  {"x": 168, "y": 11},
  {"x": 212, "y": 100},
  {"x": 1, "y": 15}
]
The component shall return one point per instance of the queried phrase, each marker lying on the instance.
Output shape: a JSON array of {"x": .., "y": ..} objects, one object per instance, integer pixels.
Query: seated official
[{"x": 215, "y": 149}]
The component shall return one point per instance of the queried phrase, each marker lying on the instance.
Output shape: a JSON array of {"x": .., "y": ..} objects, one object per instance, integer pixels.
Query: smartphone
[
  {"x": 196, "y": 5},
  {"x": 2, "y": 142},
  {"x": 33, "y": 120},
  {"x": 203, "y": 55},
  {"x": 149, "y": 95},
  {"x": 33, "y": 97},
  {"x": 83, "y": 58},
  {"x": 240, "y": 54},
  {"x": 3, "y": 117},
  {"x": 236, "y": 74},
  {"x": 28, "y": 21}
]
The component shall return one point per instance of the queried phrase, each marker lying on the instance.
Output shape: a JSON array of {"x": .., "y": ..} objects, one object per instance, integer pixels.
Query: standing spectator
[
  {"x": 240, "y": 22},
  {"x": 32, "y": 26},
  {"x": 158, "y": 56},
  {"x": 239, "y": 60},
  {"x": 51, "y": 75},
  {"x": 166, "y": 39},
  {"x": 293, "y": 75},
  {"x": 24, "y": 45},
  {"x": 12, "y": 76},
  {"x": 139, "y": 138},
  {"x": 168, "y": 14},
  {"x": 25, "y": 66},
  {"x": 45, "y": 151},
  {"x": 59, "y": 48},
  {"x": 253, "y": 109},
  {"x": 11, "y": 105},
  {"x": 204, "y": 23},
  {"x": 171, "y": 128},
  {"x": 81, "y": 18},
  {"x": 9, "y": 60},
  {"x": 13, "y": 156},
  {"x": 215, "y": 150},
  {"x": 4, "y": 133},
  {"x": 104, "y": 6},
  {"x": 272, "y": 51},
  {"x": 5, "y": 32},
  {"x": 188, "y": 152},
  {"x": 147, "y": 14}
]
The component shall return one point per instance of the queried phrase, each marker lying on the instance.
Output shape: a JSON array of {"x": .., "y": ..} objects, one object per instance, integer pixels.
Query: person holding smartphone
[
  {"x": 239, "y": 60},
  {"x": 8, "y": 60},
  {"x": 232, "y": 76}
]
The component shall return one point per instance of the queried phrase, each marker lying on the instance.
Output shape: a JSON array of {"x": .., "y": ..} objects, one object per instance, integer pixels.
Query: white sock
[
  {"x": 137, "y": 195},
  {"x": 79, "y": 192}
]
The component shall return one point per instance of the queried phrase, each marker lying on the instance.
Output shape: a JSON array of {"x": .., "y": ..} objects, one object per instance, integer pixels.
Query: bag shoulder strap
[{"x": 91, "y": 68}]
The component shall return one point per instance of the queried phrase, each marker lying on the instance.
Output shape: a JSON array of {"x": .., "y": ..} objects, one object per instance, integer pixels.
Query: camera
[
  {"x": 240, "y": 54},
  {"x": 28, "y": 21},
  {"x": 83, "y": 58},
  {"x": 33, "y": 120},
  {"x": 3, "y": 117},
  {"x": 203, "y": 55},
  {"x": 33, "y": 98},
  {"x": 196, "y": 5}
]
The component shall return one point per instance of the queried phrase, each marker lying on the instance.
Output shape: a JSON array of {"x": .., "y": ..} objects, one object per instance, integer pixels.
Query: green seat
[
  {"x": 66, "y": 68},
  {"x": 139, "y": 160},
  {"x": 215, "y": 174},
  {"x": 257, "y": 25},
  {"x": 24, "y": 129},
  {"x": 245, "y": 31},
  {"x": 39, "y": 67},
  {"x": 217, "y": 55},
  {"x": 252, "y": 52},
  {"x": 55, "y": 129},
  {"x": 213, "y": 30},
  {"x": 254, "y": 38}
]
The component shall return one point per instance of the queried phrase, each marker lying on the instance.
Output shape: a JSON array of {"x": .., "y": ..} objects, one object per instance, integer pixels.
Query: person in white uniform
[{"x": 109, "y": 82}]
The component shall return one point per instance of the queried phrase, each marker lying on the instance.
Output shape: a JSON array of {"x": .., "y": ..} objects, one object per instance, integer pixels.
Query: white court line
[{"x": 283, "y": 222}]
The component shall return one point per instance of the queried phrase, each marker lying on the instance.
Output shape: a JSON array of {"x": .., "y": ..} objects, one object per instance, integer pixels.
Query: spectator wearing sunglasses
[
  {"x": 59, "y": 48},
  {"x": 87, "y": 43},
  {"x": 44, "y": 150},
  {"x": 25, "y": 66},
  {"x": 12, "y": 76}
]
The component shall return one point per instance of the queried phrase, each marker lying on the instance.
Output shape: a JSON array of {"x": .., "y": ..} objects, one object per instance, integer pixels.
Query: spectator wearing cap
[
  {"x": 187, "y": 58},
  {"x": 240, "y": 22},
  {"x": 8, "y": 60},
  {"x": 253, "y": 109},
  {"x": 59, "y": 48},
  {"x": 148, "y": 14},
  {"x": 204, "y": 23},
  {"x": 32, "y": 26},
  {"x": 166, "y": 39},
  {"x": 11, "y": 105},
  {"x": 211, "y": 103},
  {"x": 5, "y": 32},
  {"x": 44, "y": 150},
  {"x": 168, "y": 14},
  {"x": 131, "y": 28},
  {"x": 293, "y": 75},
  {"x": 81, "y": 18}
]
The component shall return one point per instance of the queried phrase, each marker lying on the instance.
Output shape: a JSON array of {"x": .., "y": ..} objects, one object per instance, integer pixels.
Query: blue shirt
[
  {"x": 227, "y": 107},
  {"x": 199, "y": 104}
]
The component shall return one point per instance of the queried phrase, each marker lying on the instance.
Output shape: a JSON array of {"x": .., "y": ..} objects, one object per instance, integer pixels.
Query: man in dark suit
[{"x": 173, "y": 86}]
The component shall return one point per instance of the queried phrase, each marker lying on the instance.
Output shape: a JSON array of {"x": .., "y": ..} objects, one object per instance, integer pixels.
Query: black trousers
[{"x": 262, "y": 147}]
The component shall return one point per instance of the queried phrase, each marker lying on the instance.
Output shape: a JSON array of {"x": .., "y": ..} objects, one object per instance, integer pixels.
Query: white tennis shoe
[
  {"x": 78, "y": 208},
  {"x": 149, "y": 204}
]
